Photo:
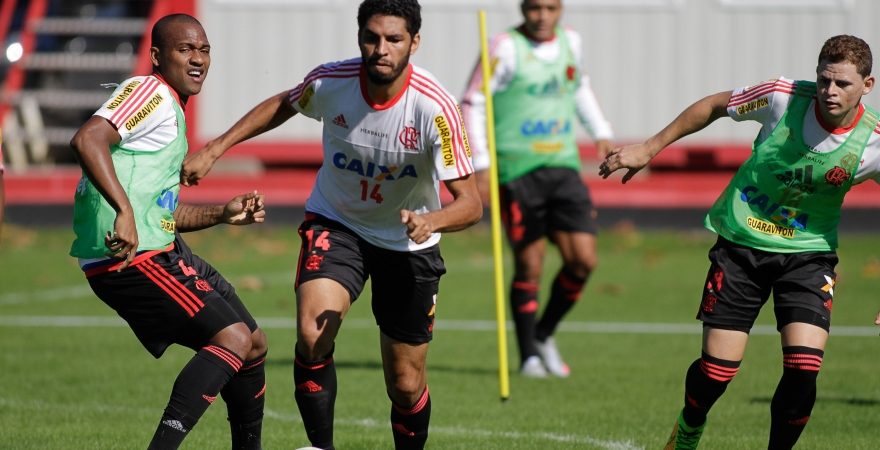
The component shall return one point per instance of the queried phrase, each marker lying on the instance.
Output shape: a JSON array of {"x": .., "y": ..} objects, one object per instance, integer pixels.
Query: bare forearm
[
  {"x": 694, "y": 118},
  {"x": 266, "y": 116},
  {"x": 464, "y": 210},
  {"x": 197, "y": 217}
]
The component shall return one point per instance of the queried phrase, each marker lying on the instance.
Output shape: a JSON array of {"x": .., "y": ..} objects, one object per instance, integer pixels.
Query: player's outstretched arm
[
  {"x": 91, "y": 146},
  {"x": 694, "y": 118},
  {"x": 265, "y": 116},
  {"x": 464, "y": 211},
  {"x": 243, "y": 209}
]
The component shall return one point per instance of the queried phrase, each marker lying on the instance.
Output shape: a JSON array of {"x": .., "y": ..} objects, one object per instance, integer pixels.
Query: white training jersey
[
  {"x": 502, "y": 57},
  {"x": 381, "y": 158},
  {"x": 141, "y": 109},
  {"x": 767, "y": 102}
]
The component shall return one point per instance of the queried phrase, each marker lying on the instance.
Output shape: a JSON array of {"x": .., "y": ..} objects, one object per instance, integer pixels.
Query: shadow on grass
[
  {"x": 854, "y": 401},
  {"x": 376, "y": 365}
]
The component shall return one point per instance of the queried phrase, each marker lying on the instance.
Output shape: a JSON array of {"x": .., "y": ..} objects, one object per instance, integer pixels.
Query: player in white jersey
[
  {"x": 777, "y": 227},
  {"x": 539, "y": 92},
  {"x": 391, "y": 134}
]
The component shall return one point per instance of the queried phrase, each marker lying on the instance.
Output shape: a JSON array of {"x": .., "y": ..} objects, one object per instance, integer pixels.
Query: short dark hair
[
  {"x": 846, "y": 48},
  {"x": 160, "y": 28},
  {"x": 409, "y": 10}
]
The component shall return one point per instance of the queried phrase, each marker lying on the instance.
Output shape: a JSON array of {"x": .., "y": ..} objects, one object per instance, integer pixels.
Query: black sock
[
  {"x": 524, "y": 304},
  {"x": 707, "y": 378},
  {"x": 245, "y": 399},
  {"x": 195, "y": 389},
  {"x": 315, "y": 393},
  {"x": 795, "y": 395},
  {"x": 410, "y": 425},
  {"x": 565, "y": 292}
]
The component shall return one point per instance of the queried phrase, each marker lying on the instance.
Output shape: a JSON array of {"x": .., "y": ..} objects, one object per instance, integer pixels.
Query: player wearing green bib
[
  {"x": 539, "y": 93},
  {"x": 777, "y": 227},
  {"x": 126, "y": 219}
]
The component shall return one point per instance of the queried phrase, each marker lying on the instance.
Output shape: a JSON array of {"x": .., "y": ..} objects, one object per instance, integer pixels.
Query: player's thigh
[
  {"x": 804, "y": 293},
  {"x": 570, "y": 207},
  {"x": 330, "y": 276},
  {"x": 405, "y": 288},
  {"x": 209, "y": 278},
  {"x": 164, "y": 304},
  {"x": 523, "y": 210},
  {"x": 735, "y": 288}
]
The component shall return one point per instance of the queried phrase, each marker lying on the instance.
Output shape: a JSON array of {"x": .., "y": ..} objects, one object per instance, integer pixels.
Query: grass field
[{"x": 74, "y": 377}]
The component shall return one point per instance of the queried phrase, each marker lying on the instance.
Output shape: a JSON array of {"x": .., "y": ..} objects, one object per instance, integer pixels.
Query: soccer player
[
  {"x": 126, "y": 216},
  {"x": 539, "y": 90},
  {"x": 390, "y": 134},
  {"x": 777, "y": 227}
]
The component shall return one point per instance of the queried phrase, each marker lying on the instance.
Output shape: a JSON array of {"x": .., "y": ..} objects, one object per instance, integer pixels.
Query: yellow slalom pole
[{"x": 503, "y": 376}]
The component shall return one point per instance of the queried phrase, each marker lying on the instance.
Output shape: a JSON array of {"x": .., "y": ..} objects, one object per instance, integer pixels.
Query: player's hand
[
  {"x": 632, "y": 157},
  {"x": 417, "y": 227},
  {"x": 603, "y": 148},
  {"x": 245, "y": 209},
  {"x": 123, "y": 241},
  {"x": 877, "y": 319},
  {"x": 197, "y": 165}
]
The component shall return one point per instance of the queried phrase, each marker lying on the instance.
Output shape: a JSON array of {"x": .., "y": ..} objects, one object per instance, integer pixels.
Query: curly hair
[
  {"x": 846, "y": 48},
  {"x": 409, "y": 10}
]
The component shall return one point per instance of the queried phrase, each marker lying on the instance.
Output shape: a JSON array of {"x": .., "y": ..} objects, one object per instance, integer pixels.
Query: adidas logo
[
  {"x": 340, "y": 121},
  {"x": 801, "y": 178},
  {"x": 309, "y": 386},
  {"x": 175, "y": 424}
]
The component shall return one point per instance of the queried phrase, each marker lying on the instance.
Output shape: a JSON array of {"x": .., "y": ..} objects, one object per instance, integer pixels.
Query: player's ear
[
  {"x": 415, "y": 44},
  {"x": 869, "y": 85},
  {"x": 154, "y": 56}
]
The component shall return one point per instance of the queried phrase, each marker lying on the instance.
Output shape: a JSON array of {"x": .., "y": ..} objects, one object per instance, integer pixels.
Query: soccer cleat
[
  {"x": 684, "y": 437},
  {"x": 551, "y": 359},
  {"x": 533, "y": 368}
]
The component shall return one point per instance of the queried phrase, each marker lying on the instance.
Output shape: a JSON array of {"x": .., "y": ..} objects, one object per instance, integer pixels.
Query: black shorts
[
  {"x": 173, "y": 297},
  {"x": 741, "y": 279},
  {"x": 543, "y": 201},
  {"x": 404, "y": 284}
]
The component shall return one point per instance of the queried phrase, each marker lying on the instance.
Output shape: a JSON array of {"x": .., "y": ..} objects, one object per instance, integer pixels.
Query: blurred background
[{"x": 647, "y": 60}]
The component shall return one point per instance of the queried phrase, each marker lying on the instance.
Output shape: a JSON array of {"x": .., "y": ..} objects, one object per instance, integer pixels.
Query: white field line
[
  {"x": 569, "y": 439},
  {"x": 371, "y": 424},
  {"x": 451, "y": 325}
]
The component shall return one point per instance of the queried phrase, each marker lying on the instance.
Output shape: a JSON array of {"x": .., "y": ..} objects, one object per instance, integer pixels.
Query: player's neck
[{"x": 382, "y": 94}]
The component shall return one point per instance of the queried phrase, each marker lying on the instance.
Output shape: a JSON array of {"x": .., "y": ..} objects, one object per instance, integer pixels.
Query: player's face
[
  {"x": 185, "y": 58},
  {"x": 386, "y": 46},
  {"x": 541, "y": 17},
  {"x": 840, "y": 90}
]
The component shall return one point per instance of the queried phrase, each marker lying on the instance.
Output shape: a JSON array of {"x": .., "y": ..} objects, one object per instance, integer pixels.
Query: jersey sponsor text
[
  {"x": 126, "y": 91},
  {"x": 770, "y": 228},
  {"x": 445, "y": 141},
  {"x": 145, "y": 111}
]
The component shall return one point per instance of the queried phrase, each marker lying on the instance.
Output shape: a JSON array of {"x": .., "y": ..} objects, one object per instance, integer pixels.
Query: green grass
[{"x": 94, "y": 386}]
